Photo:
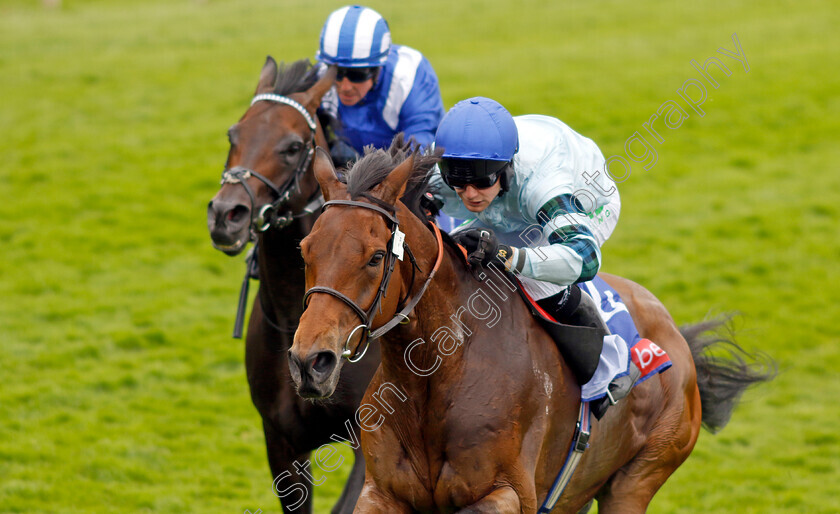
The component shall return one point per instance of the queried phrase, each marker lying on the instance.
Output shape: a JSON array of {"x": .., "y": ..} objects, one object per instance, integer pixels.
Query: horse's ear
[
  {"x": 268, "y": 76},
  {"x": 315, "y": 93},
  {"x": 393, "y": 187},
  {"x": 325, "y": 175}
]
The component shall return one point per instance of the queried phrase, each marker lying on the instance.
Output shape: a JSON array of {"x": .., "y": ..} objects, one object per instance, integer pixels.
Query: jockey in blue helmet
[
  {"x": 381, "y": 89},
  {"x": 540, "y": 198}
]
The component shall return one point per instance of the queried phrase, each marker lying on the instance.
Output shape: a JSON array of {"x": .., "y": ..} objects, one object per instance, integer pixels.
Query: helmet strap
[{"x": 505, "y": 178}]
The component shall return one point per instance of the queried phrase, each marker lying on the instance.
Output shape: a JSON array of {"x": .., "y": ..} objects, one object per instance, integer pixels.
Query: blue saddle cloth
[{"x": 624, "y": 337}]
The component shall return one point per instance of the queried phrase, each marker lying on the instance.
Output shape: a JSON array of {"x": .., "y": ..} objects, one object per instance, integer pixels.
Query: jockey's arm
[
  {"x": 567, "y": 252},
  {"x": 573, "y": 205},
  {"x": 423, "y": 109}
]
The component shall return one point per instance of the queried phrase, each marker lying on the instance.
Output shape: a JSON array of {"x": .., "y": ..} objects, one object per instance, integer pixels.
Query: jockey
[
  {"x": 380, "y": 90},
  {"x": 540, "y": 198}
]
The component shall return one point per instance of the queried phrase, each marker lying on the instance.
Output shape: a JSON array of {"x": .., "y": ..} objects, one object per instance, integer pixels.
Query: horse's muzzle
[
  {"x": 229, "y": 225},
  {"x": 315, "y": 376}
]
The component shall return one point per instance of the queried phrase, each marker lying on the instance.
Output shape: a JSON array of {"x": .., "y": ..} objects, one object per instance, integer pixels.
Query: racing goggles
[
  {"x": 355, "y": 75},
  {"x": 479, "y": 173}
]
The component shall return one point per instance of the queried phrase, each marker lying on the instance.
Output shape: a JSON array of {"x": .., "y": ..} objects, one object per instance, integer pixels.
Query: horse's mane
[
  {"x": 376, "y": 164},
  {"x": 295, "y": 77},
  {"x": 300, "y": 76}
]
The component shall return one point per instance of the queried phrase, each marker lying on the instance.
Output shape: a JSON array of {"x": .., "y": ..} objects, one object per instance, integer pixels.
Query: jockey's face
[
  {"x": 351, "y": 93},
  {"x": 475, "y": 199}
]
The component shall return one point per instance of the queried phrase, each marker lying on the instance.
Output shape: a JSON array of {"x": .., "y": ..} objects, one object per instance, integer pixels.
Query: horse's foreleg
[
  {"x": 503, "y": 499},
  {"x": 632, "y": 493},
  {"x": 289, "y": 483},
  {"x": 353, "y": 486},
  {"x": 372, "y": 501}
]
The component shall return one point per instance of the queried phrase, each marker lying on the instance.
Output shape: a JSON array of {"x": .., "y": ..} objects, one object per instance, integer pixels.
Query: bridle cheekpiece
[
  {"x": 396, "y": 247},
  {"x": 268, "y": 215}
]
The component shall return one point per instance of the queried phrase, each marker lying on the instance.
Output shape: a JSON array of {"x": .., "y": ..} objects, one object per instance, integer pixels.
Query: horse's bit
[
  {"x": 396, "y": 246},
  {"x": 268, "y": 215}
]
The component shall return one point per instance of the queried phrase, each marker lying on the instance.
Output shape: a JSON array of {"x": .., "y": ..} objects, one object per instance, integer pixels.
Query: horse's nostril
[
  {"x": 324, "y": 362},
  {"x": 236, "y": 214}
]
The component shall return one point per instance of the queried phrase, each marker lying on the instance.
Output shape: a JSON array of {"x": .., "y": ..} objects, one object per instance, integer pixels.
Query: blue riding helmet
[
  {"x": 355, "y": 37},
  {"x": 479, "y": 139}
]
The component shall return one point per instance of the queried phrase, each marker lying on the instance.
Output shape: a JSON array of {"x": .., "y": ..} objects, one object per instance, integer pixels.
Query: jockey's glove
[
  {"x": 483, "y": 248},
  {"x": 430, "y": 204}
]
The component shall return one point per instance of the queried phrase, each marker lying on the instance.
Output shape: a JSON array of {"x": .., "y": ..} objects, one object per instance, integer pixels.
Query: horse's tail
[{"x": 724, "y": 369}]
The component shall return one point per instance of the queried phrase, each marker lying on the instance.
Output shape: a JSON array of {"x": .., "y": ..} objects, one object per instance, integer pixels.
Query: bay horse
[
  {"x": 267, "y": 193},
  {"x": 473, "y": 408}
]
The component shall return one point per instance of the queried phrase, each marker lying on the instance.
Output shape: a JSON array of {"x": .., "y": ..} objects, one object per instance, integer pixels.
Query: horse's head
[
  {"x": 271, "y": 148},
  {"x": 354, "y": 279}
]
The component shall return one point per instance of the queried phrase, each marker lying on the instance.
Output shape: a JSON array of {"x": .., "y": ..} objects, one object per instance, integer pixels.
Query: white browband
[{"x": 288, "y": 101}]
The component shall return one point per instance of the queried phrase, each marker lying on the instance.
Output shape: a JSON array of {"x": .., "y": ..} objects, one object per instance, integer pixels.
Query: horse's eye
[
  {"x": 376, "y": 258},
  {"x": 292, "y": 149}
]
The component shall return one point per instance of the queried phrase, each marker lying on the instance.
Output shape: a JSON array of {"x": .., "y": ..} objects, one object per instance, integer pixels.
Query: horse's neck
[
  {"x": 281, "y": 265},
  {"x": 281, "y": 270},
  {"x": 410, "y": 356}
]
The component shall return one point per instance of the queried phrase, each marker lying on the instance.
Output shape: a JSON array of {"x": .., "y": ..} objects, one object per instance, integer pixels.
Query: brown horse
[
  {"x": 268, "y": 189},
  {"x": 473, "y": 408}
]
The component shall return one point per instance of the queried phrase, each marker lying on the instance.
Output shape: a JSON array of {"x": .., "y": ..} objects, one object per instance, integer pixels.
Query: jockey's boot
[
  {"x": 574, "y": 307},
  {"x": 586, "y": 314}
]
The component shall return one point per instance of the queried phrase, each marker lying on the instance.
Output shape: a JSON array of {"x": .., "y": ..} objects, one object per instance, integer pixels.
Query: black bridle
[
  {"x": 396, "y": 247},
  {"x": 269, "y": 215}
]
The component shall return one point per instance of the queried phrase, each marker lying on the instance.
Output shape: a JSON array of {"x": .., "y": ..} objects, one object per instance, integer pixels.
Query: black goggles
[
  {"x": 479, "y": 173},
  {"x": 355, "y": 75}
]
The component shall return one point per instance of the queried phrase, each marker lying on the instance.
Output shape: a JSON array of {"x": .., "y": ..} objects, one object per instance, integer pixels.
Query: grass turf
[{"x": 121, "y": 389}]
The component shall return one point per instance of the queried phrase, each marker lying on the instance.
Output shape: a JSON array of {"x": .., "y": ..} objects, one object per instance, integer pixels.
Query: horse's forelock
[
  {"x": 377, "y": 164},
  {"x": 295, "y": 77}
]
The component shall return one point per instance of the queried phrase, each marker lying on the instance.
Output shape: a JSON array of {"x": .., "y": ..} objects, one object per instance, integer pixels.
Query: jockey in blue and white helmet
[
  {"x": 381, "y": 88},
  {"x": 355, "y": 37},
  {"x": 542, "y": 202}
]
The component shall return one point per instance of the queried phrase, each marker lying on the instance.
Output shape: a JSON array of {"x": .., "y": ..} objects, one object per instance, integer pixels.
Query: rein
[
  {"x": 396, "y": 247},
  {"x": 267, "y": 215}
]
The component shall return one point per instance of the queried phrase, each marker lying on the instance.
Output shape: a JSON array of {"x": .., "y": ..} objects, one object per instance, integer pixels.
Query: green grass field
[{"x": 120, "y": 387}]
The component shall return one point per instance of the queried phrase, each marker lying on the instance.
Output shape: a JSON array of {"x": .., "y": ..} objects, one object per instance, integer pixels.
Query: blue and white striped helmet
[{"x": 355, "y": 37}]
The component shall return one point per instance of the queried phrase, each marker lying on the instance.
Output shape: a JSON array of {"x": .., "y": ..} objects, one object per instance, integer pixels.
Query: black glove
[
  {"x": 430, "y": 204},
  {"x": 343, "y": 155},
  {"x": 483, "y": 248}
]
